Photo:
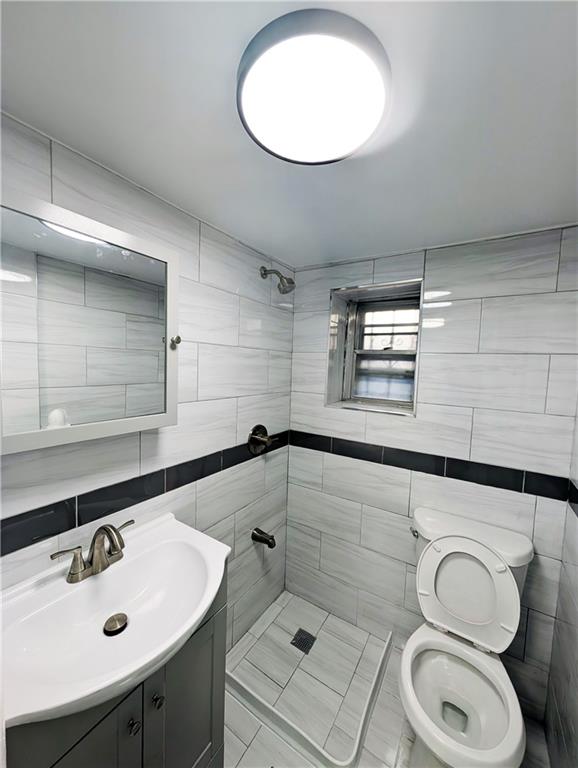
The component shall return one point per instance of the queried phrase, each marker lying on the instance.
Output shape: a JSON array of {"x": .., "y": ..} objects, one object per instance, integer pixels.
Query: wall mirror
[{"x": 88, "y": 313}]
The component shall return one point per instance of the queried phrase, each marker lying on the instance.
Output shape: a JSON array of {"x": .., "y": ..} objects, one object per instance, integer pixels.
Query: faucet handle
[
  {"x": 125, "y": 525},
  {"x": 78, "y": 565}
]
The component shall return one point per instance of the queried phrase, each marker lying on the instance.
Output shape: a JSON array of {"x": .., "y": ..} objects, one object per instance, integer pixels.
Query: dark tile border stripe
[{"x": 29, "y": 527}]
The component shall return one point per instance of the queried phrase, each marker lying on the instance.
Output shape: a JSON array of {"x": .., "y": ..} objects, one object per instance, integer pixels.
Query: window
[{"x": 374, "y": 342}]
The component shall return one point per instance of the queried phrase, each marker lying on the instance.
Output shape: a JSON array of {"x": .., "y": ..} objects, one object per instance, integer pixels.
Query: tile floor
[{"x": 308, "y": 689}]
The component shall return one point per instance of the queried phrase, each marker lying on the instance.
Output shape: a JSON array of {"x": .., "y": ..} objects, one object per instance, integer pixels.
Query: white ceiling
[{"x": 481, "y": 138}]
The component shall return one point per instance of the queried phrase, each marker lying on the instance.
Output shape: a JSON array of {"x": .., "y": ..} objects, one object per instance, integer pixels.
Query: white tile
[
  {"x": 363, "y": 568},
  {"x": 207, "y": 314},
  {"x": 347, "y": 632},
  {"x": 540, "y": 323},
  {"x": 328, "y": 514},
  {"x": 258, "y": 682},
  {"x": 382, "y": 617},
  {"x": 267, "y": 512},
  {"x": 367, "y": 482},
  {"x": 224, "y": 531},
  {"x": 265, "y": 327},
  {"x": 549, "y": 527},
  {"x": 35, "y": 478},
  {"x": 19, "y": 318},
  {"x": 314, "y": 285},
  {"x": 274, "y": 655},
  {"x": 532, "y": 441},
  {"x": 188, "y": 371},
  {"x": 20, "y": 411},
  {"x": 530, "y": 683},
  {"x": 19, "y": 363},
  {"x": 332, "y": 661},
  {"x": 351, "y": 711},
  {"x": 300, "y": 613},
  {"x": 279, "y": 372},
  {"x": 225, "y": 492},
  {"x": 276, "y": 468},
  {"x": 278, "y": 299},
  {"x": 541, "y": 588},
  {"x": 143, "y": 333},
  {"x": 25, "y": 159},
  {"x": 440, "y": 429},
  {"x": 23, "y": 264},
  {"x": 82, "y": 186},
  {"x": 83, "y": 404},
  {"x": 512, "y": 265},
  {"x": 244, "y": 570},
  {"x": 239, "y": 650},
  {"x": 405, "y": 266},
  {"x": 121, "y": 294},
  {"x": 568, "y": 273},
  {"x": 143, "y": 399},
  {"x": 61, "y": 365},
  {"x": 323, "y": 590},
  {"x": 202, "y": 429},
  {"x": 306, "y": 467},
  {"x": 503, "y": 382},
  {"x": 410, "y": 600},
  {"x": 79, "y": 325},
  {"x": 266, "y": 619},
  {"x": 303, "y": 545},
  {"x": 228, "y": 264},
  {"x": 309, "y": 414},
  {"x": 387, "y": 533},
  {"x": 61, "y": 281},
  {"x": 310, "y": 331},
  {"x": 562, "y": 385},
  {"x": 234, "y": 749},
  {"x": 270, "y": 410},
  {"x": 267, "y": 749},
  {"x": 309, "y": 372},
  {"x": 496, "y": 506},
  {"x": 259, "y": 597},
  {"x": 117, "y": 366},
  {"x": 451, "y": 328},
  {"x": 539, "y": 636},
  {"x": 231, "y": 371},
  {"x": 309, "y": 705},
  {"x": 239, "y": 720}
]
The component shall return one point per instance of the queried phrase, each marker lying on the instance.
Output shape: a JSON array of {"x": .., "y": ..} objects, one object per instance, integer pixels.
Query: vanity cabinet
[{"x": 174, "y": 719}]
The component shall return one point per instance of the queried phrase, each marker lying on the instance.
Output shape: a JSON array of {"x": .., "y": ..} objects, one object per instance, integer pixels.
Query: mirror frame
[{"x": 45, "y": 438}]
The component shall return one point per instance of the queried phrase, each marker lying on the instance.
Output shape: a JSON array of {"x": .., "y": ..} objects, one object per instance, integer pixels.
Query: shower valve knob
[{"x": 259, "y": 439}]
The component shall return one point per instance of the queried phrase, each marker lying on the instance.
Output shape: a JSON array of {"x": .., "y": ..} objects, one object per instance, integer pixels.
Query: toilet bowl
[{"x": 454, "y": 688}]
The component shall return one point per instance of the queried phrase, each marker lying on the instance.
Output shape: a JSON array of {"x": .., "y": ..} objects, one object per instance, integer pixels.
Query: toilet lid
[{"x": 466, "y": 588}]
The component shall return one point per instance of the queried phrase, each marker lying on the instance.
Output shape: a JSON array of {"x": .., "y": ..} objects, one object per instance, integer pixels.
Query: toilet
[{"x": 454, "y": 688}]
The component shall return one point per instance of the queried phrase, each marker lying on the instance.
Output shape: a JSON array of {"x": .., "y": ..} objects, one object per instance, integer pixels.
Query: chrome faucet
[{"x": 99, "y": 558}]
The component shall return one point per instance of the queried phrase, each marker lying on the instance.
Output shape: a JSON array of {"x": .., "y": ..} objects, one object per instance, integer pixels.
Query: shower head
[{"x": 286, "y": 284}]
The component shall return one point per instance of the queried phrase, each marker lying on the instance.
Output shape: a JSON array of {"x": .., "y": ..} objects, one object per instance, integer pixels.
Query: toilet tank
[{"x": 514, "y": 548}]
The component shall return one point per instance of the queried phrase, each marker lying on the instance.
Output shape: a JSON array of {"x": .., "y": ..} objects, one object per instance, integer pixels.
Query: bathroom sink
[{"x": 57, "y": 659}]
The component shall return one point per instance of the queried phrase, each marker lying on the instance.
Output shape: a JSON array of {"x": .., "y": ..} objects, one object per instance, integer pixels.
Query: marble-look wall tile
[
  {"x": 19, "y": 365},
  {"x": 279, "y": 371},
  {"x": 36, "y": 478},
  {"x": 144, "y": 399},
  {"x": 367, "y": 482},
  {"x": 541, "y": 588},
  {"x": 276, "y": 468},
  {"x": 143, "y": 333},
  {"x": 118, "y": 366},
  {"x": 562, "y": 385},
  {"x": 541, "y": 323},
  {"x": 188, "y": 371},
  {"x": 228, "y": 264},
  {"x": 25, "y": 160},
  {"x": 322, "y": 589},
  {"x": 306, "y": 467},
  {"x": 531, "y": 441},
  {"x": 80, "y": 326},
  {"x": 121, "y": 294},
  {"x": 231, "y": 371},
  {"x": 309, "y": 414},
  {"x": 207, "y": 314},
  {"x": 387, "y": 533},
  {"x": 60, "y": 281},
  {"x": 380, "y": 617},
  {"x": 19, "y": 318},
  {"x": 265, "y": 327},
  {"x": 268, "y": 512},
  {"x": 309, "y": 372},
  {"x": 85, "y": 187},
  {"x": 512, "y": 265},
  {"x": 310, "y": 331},
  {"x": 495, "y": 506},
  {"x": 202, "y": 428},
  {"x": 83, "y": 405},
  {"x": 568, "y": 272},
  {"x": 270, "y": 410},
  {"x": 303, "y": 545},
  {"x": 440, "y": 429},
  {"x": 23, "y": 264},
  {"x": 20, "y": 411},
  {"x": 450, "y": 326},
  {"x": 61, "y": 365},
  {"x": 328, "y": 514},
  {"x": 314, "y": 285},
  {"x": 530, "y": 684},
  {"x": 549, "y": 527},
  {"x": 221, "y": 494},
  {"x": 539, "y": 639},
  {"x": 410, "y": 600},
  {"x": 405, "y": 266},
  {"x": 254, "y": 602},
  {"x": 502, "y": 382}
]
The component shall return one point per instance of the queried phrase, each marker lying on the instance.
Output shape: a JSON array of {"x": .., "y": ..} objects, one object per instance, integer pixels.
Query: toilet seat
[
  {"x": 510, "y": 746},
  {"x": 465, "y": 587}
]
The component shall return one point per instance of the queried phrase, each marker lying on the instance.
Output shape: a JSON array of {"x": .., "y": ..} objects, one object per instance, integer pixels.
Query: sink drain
[{"x": 115, "y": 624}]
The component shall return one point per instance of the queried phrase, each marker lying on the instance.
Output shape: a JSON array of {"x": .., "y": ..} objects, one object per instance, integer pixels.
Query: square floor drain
[{"x": 303, "y": 640}]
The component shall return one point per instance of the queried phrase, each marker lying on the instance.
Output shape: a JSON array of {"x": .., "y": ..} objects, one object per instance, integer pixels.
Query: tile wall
[
  {"x": 497, "y": 385},
  {"x": 234, "y": 372}
]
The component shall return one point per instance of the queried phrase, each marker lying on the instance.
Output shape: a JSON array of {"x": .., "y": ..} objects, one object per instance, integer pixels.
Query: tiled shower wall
[
  {"x": 79, "y": 339},
  {"x": 234, "y": 372},
  {"x": 497, "y": 385}
]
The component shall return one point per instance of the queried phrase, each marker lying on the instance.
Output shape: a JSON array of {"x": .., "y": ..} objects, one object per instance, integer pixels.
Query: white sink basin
[{"x": 56, "y": 658}]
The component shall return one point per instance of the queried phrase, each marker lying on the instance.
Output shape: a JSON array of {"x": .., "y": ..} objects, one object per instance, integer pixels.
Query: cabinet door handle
[
  {"x": 134, "y": 726},
  {"x": 158, "y": 701}
]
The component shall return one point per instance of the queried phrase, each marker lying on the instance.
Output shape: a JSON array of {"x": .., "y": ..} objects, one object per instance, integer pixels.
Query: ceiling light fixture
[
  {"x": 313, "y": 86},
  {"x": 73, "y": 234}
]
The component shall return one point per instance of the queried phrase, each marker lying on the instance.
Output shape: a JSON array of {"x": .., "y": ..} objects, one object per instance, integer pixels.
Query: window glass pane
[{"x": 384, "y": 379}]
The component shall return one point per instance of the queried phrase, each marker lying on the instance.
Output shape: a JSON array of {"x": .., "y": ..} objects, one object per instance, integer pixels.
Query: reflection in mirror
[{"x": 83, "y": 327}]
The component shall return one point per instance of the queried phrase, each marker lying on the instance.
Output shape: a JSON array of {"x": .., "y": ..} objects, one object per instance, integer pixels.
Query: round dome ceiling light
[{"x": 313, "y": 86}]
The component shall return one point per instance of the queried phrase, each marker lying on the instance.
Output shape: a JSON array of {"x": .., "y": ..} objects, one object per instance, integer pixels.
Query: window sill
[{"x": 360, "y": 405}]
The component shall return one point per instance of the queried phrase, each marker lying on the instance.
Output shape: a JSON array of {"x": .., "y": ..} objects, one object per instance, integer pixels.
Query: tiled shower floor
[{"x": 297, "y": 686}]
